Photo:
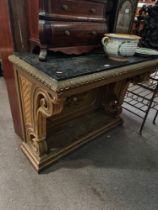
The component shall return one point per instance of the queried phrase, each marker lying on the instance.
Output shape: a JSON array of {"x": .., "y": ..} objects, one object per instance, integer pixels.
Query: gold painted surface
[{"x": 26, "y": 87}]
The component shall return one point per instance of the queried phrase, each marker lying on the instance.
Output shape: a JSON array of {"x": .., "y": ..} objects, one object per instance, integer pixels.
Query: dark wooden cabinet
[
  {"x": 76, "y": 26},
  {"x": 68, "y": 34},
  {"x": 71, "y": 26}
]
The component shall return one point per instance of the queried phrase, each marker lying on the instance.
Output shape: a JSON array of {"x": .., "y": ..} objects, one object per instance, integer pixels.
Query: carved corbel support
[
  {"x": 113, "y": 97},
  {"x": 37, "y": 105},
  {"x": 141, "y": 78},
  {"x": 114, "y": 93}
]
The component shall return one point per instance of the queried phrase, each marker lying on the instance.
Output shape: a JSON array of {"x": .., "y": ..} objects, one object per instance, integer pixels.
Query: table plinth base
[{"x": 56, "y": 154}]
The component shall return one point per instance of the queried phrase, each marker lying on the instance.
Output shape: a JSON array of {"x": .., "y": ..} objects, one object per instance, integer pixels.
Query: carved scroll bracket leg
[
  {"x": 113, "y": 97},
  {"x": 44, "y": 106},
  {"x": 113, "y": 94},
  {"x": 141, "y": 78}
]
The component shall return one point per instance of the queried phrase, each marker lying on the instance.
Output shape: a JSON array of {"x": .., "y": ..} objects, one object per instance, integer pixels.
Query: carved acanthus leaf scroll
[
  {"x": 113, "y": 97},
  {"x": 42, "y": 105}
]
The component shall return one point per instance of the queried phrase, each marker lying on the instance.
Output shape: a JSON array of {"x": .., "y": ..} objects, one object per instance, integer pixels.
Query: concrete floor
[{"x": 118, "y": 171}]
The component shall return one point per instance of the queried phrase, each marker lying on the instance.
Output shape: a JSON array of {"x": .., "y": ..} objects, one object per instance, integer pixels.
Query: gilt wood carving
[
  {"x": 58, "y": 117},
  {"x": 38, "y": 105}
]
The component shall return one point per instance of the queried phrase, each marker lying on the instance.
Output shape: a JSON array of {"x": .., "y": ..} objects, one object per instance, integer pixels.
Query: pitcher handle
[{"x": 105, "y": 40}]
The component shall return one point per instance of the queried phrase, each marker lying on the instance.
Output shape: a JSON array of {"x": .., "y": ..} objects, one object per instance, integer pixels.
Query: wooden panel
[
  {"x": 12, "y": 93},
  {"x": 6, "y": 45},
  {"x": 6, "y": 48},
  {"x": 19, "y": 22},
  {"x": 33, "y": 10},
  {"x": 73, "y": 10}
]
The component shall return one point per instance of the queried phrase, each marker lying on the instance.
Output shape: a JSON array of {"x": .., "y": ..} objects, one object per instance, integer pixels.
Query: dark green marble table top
[{"x": 62, "y": 67}]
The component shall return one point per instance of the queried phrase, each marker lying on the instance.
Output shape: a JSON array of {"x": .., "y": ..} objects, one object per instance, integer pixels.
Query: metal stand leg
[
  {"x": 147, "y": 112},
  {"x": 154, "y": 120}
]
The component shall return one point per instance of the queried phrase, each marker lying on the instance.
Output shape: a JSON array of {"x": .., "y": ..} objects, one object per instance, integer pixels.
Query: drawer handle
[
  {"x": 65, "y": 7},
  {"x": 93, "y": 11},
  {"x": 67, "y": 33},
  {"x": 75, "y": 99},
  {"x": 94, "y": 33}
]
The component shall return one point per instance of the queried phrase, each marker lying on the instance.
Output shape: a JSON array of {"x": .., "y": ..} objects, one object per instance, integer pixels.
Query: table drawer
[
  {"x": 67, "y": 34},
  {"x": 72, "y": 9}
]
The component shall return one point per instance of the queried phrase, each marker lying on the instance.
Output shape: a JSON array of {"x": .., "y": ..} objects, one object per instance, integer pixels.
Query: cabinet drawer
[
  {"x": 66, "y": 34},
  {"x": 72, "y": 10}
]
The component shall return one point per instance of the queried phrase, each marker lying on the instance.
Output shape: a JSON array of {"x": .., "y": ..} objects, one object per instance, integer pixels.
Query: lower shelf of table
[{"x": 70, "y": 135}]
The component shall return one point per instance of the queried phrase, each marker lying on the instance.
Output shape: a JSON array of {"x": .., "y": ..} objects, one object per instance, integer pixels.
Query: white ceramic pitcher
[{"x": 120, "y": 46}]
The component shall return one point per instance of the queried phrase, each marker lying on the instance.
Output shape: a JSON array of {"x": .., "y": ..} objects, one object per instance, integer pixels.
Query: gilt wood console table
[{"x": 68, "y": 101}]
